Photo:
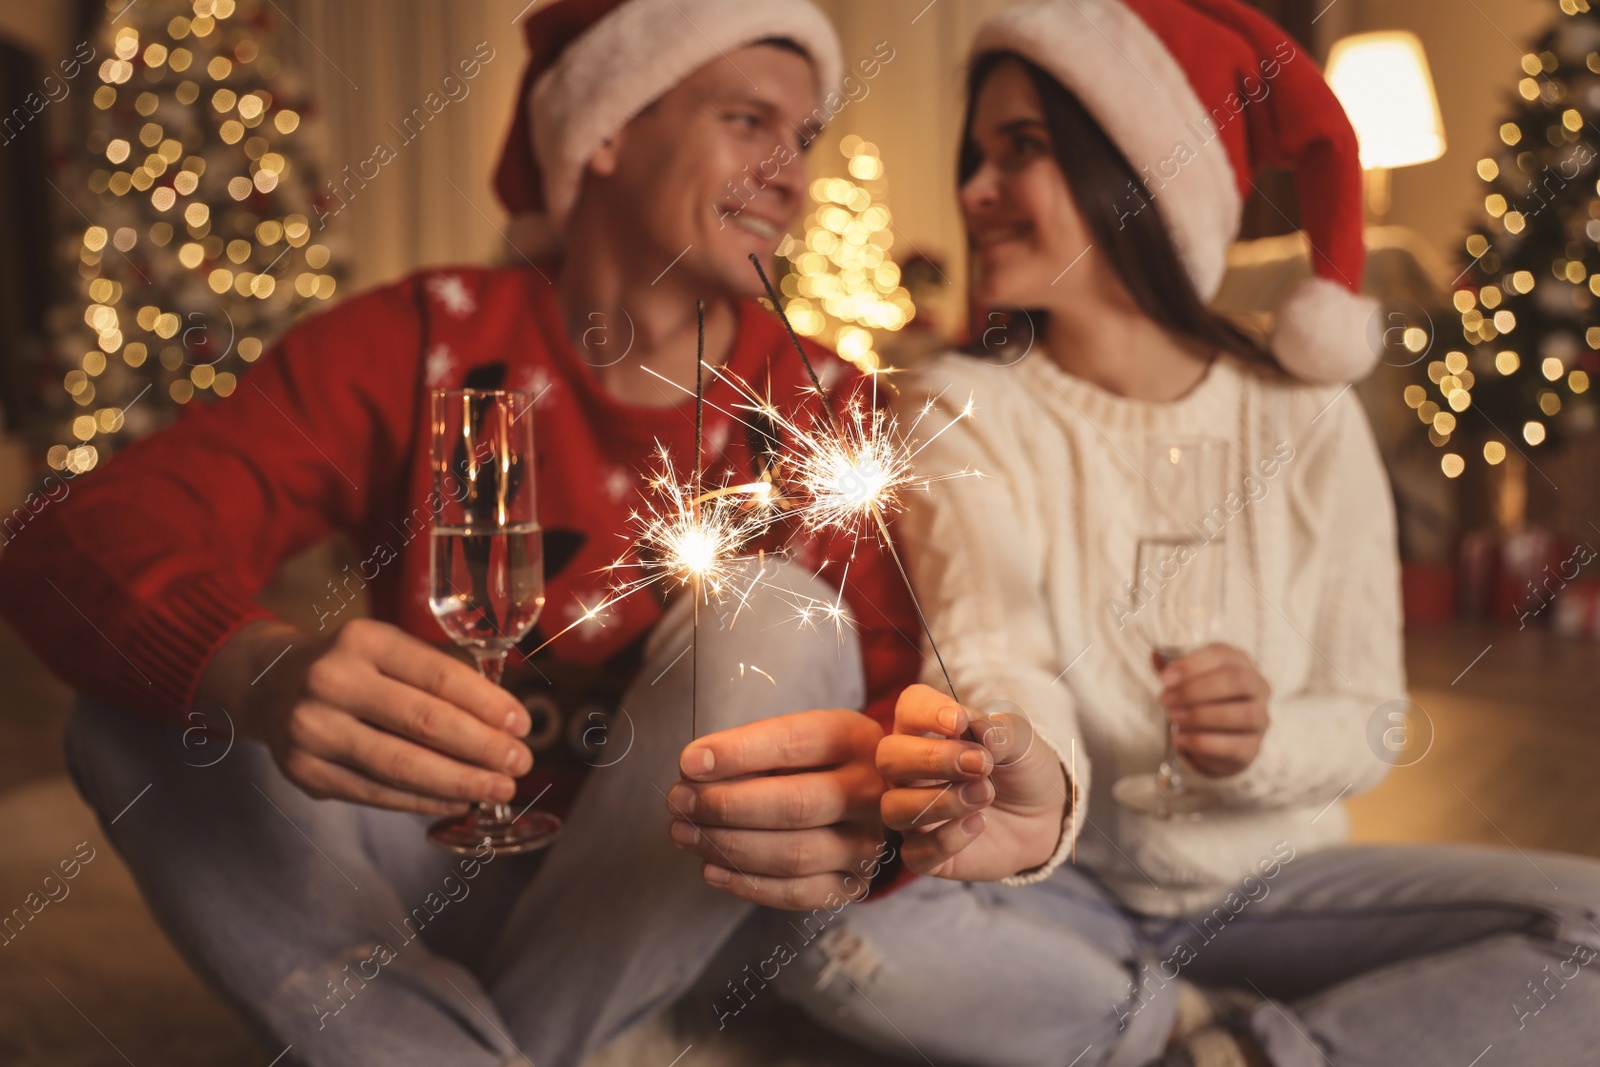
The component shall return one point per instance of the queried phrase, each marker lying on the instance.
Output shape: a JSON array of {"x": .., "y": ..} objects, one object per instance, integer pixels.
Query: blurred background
[{"x": 180, "y": 180}]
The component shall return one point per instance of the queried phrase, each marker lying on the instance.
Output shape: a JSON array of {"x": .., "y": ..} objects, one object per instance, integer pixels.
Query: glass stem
[
  {"x": 492, "y": 665},
  {"x": 1169, "y": 778}
]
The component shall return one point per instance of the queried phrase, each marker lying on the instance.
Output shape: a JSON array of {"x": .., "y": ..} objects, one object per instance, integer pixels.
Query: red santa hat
[
  {"x": 1199, "y": 95},
  {"x": 595, "y": 64}
]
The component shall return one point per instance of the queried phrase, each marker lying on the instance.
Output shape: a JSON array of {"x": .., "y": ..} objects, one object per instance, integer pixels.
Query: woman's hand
[
  {"x": 969, "y": 811},
  {"x": 1218, "y": 703}
]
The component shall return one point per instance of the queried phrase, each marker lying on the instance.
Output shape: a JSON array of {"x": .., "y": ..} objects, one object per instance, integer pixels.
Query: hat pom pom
[{"x": 1321, "y": 333}]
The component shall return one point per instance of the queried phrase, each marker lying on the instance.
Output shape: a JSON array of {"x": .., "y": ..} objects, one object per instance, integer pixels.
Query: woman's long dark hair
[{"x": 1136, "y": 243}]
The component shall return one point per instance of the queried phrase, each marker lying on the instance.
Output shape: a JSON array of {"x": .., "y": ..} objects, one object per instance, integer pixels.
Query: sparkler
[
  {"x": 846, "y": 477},
  {"x": 689, "y": 538},
  {"x": 699, "y": 534},
  {"x": 835, "y": 484},
  {"x": 853, "y": 477},
  {"x": 692, "y": 536},
  {"x": 696, "y": 536}
]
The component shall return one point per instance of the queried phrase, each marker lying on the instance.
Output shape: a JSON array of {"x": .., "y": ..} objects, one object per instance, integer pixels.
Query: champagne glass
[
  {"x": 486, "y": 585},
  {"x": 1178, "y": 593}
]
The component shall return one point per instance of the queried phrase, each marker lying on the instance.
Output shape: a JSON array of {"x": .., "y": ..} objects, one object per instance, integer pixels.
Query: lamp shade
[{"x": 1383, "y": 82}]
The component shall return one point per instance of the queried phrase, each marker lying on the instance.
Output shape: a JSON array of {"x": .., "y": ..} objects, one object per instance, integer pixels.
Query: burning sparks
[
  {"x": 836, "y": 474},
  {"x": 828, "y": 471},
  {"x": 845, "y": 478},
  {"x": 829, "y": 474},
  {"x": 853, "y": 476},
  {"x": 688, "y": 539},
  {"x": 697, "y": 536},
  {"x": 853, "y": 473}
]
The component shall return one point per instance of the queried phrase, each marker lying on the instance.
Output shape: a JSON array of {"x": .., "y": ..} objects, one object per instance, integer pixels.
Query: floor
[
  {"x": 1515, "y": 749},
  {"x": 92, "y": 982}
]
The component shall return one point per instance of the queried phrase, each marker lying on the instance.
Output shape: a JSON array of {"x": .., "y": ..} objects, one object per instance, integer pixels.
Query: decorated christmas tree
[
  {"x": 194, "y": 235},
  {"x": 1529, "y": 297},
  {"x": 844, "y": 287}
]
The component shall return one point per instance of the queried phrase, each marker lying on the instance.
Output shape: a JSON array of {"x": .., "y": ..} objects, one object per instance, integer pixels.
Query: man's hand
[
  {"x": 372, "y": 715},
  {"x": 784, "y": 811},
  {"x": 969, "y": 811},
  {"x": 1218, "y": 703}
]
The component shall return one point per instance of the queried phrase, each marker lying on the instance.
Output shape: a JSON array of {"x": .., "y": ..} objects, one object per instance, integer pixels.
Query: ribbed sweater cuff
[
  {"x": 173, "y": 643},
  {"x": 1072, "y": 824}
]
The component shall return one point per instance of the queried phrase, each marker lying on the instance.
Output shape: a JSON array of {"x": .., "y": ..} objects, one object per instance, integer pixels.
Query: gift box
[{"x": 1576, "y": 612}]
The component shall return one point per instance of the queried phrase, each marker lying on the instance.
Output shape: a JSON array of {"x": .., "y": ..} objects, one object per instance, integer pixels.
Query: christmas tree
[
  {"x": 1529, "y": 298},
  {"x": 843, "y": 287},
  {"x": 194, "y": 236}
]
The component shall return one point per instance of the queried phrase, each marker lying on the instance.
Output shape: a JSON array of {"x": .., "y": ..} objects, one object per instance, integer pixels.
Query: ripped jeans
[{"x": 1366, "y": 956}]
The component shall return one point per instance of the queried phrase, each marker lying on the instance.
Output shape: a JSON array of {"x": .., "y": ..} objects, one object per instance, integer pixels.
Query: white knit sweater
[{"x": 1024, "y": 575}]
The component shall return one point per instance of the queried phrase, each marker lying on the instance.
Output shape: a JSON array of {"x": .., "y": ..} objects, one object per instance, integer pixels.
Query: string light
[
  {"x": 177, "y": 263},
  {"x": 844, "y": 286},
  {"x": 1532, "y": 339}
]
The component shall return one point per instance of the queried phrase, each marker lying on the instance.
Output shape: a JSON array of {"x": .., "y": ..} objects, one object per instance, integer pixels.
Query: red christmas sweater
[{"x": 128, "y": 586}]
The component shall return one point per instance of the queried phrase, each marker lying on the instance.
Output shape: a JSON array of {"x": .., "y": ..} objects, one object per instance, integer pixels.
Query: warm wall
[
  {"x": 40, "y": 27},
  {"x": 373, "y": 62},
  {"x": 1474, "y": 48}
]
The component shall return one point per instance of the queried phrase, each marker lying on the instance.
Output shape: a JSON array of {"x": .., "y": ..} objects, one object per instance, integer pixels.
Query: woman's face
[{"x": 1027, "y": 237}]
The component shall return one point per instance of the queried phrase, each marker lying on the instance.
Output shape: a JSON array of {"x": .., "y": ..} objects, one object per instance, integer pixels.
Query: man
[{"x": 331, "y": 923}]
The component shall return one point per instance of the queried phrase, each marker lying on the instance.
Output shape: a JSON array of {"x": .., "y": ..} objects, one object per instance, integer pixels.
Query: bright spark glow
[
  {"x": 840, "y": 475},
  {"x": 695, "y": 547},
  {"x": 845, "y": 473},
  {"x": 815, "y": 613},
  {"x": 848, "y": 476},
  {"x": 692, "y": 537},
  {"x": 687, "y": 539}
]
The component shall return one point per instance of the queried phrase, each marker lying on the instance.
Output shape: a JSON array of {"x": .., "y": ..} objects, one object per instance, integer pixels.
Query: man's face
[{"x": 712, "y": 171}]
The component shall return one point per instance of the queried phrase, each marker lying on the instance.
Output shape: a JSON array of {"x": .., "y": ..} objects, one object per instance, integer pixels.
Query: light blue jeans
[
  {"x": 1368, "y": 956},
  {"x": 337, "y": 929}
]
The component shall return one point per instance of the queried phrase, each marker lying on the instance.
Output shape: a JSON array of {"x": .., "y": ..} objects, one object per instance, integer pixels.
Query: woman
[{"x": 1107, "y": 150}]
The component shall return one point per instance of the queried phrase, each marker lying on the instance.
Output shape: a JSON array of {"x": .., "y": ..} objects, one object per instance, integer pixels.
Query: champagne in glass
[
  {"x": 1178, "y": 582},
  {"x": 486, "y": 583}
]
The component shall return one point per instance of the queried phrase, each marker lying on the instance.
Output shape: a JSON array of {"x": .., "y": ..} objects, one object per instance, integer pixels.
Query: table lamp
[{"x": 1383, "y": 82}]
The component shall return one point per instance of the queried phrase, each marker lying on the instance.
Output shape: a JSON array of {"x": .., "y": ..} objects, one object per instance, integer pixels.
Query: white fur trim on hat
[
  {"x": 1138, "y": 92},
  {"x": 638, "y": 52},
  {"x": 1321, "y": 334}
]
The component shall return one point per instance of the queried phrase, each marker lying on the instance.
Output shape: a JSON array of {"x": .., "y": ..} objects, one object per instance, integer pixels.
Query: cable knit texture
[{"x": 1025, "y": 573}]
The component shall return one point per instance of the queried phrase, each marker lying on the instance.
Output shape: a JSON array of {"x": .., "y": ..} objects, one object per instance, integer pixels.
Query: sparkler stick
[
  {"x": 847, "y": 475},
  {"x": 699, "y": 477},
  {"x": 777, "y": 305},
  {"x": 870, "y": 502}
]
